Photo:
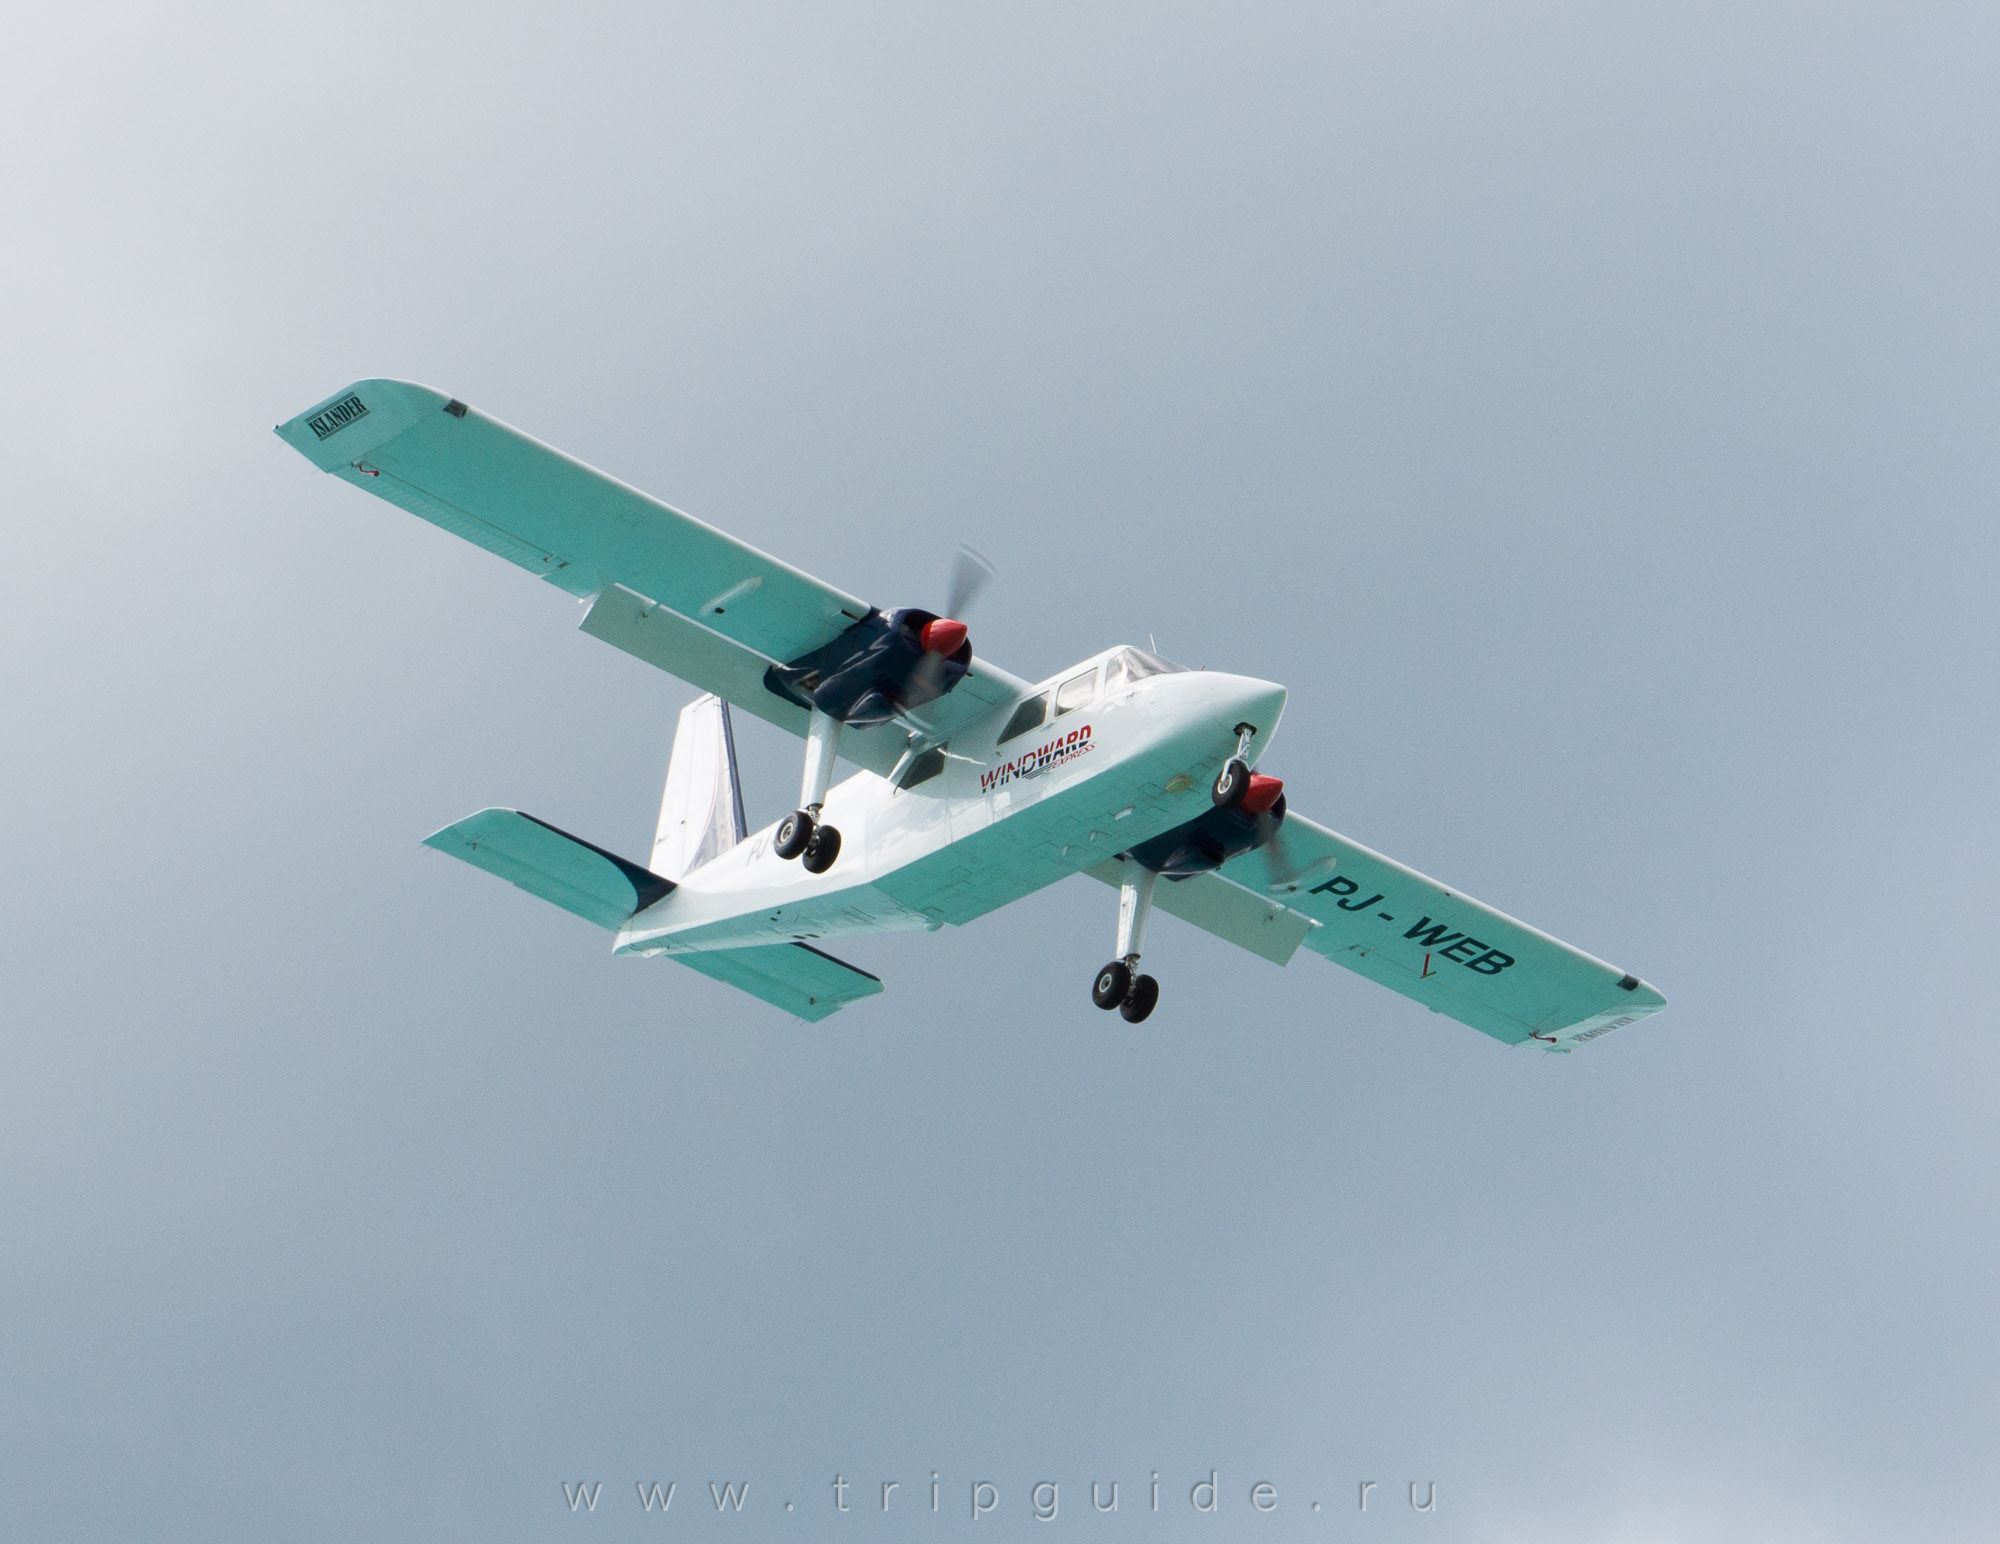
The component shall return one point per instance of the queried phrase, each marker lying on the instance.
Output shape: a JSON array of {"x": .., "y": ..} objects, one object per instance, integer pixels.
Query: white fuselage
[{"x": 999, "y": 821}]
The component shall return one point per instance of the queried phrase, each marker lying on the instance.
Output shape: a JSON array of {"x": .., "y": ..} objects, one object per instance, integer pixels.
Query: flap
[
  {"x": 665, "y": 639},
  {"x": 1263, "y": 926}
]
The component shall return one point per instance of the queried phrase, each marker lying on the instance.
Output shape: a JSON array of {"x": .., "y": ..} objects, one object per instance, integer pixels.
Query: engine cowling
[
  {"x": 883, "y": 665},
  {"x": 1216, "y": 835}
]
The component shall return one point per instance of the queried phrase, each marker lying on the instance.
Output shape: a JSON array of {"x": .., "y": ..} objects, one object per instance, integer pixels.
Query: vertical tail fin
[{"x": 701, "y": 813}]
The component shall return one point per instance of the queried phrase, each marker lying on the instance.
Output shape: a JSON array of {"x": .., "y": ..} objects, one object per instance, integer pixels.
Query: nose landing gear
[
  {"x": 1116, "y": 986},
  {"x": 1233, "y": 781}
]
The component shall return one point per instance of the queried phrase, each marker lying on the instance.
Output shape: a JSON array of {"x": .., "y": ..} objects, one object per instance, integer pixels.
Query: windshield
[{"x": 1129, "y": 665}]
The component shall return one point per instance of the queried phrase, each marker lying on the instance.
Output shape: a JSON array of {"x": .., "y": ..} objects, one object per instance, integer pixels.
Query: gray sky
[{"x": 1586, "y": 411}]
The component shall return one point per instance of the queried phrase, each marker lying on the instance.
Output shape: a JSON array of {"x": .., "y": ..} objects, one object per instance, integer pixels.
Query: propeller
[
  {"x": 1289, "y": 871},
  {"x": 970, "y": 572}
]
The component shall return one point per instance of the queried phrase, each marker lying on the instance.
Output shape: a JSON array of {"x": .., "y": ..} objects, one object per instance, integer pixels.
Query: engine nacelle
[
  {"x": 1215, "y": 836},
  {"x": 878, "y": 668}
]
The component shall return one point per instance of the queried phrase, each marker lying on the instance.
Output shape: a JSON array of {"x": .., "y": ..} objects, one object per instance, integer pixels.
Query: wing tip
[
  {"x": 337, "y": 430},
  {"x": 1643, "y": 995}
]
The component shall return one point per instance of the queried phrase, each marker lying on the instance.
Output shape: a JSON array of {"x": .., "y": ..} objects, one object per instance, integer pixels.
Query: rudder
[{"x": 701, "y": 810}]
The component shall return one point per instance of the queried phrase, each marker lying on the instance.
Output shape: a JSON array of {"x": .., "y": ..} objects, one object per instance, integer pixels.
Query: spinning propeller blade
[
  {"x": 969, "y": 575},
  {"x": 1290, "y": 871}
]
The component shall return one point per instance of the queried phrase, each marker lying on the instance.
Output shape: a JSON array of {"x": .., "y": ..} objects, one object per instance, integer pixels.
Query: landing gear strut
[
  {"x": 1233, "y": 781},
  {"x": 800, "y": 835},
  {"x": 1116, "y": 986}
]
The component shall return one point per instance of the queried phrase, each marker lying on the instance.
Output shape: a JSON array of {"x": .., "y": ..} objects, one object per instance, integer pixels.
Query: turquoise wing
[
  {"x": 1455, "y": 955},
  {"x": 552, "y": 515},
  {"x": 669, "y": 589}
]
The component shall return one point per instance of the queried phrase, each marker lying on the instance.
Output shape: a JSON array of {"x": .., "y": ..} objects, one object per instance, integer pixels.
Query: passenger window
[
  {"x": 1026, "y": 716},
  {"x": 922, "y": 768},
  {"x": 1076, "y": 692}
]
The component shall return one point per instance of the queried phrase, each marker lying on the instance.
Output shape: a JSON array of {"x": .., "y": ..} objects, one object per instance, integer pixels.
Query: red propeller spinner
[
  {"x": 1262, "y": 793},
  {"x": 942, "y": 636}
]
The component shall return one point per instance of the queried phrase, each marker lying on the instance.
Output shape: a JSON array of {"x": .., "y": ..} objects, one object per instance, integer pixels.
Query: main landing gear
[
  {"x": 1116, "y": 986},
  {"x": 800, "y": 835}
]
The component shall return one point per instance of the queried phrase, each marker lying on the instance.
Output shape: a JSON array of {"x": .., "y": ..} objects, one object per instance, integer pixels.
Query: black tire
[
  {"x": 821, "y": 850},
  {"x": 1145, "y": 993},
  {"x": 795, "y": 834},
  {"x": 1231, "y": 784},
  {"x": 1112, "y": 983}
]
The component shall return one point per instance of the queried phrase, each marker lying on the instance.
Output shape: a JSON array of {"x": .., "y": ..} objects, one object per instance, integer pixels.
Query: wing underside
[
  {"x": 667, "y": 588},
  {"x": 1438, "y": 947},
  {"x": 1380, "y": 919}
]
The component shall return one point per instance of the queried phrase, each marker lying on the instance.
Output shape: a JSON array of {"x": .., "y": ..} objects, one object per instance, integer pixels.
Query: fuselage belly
[{"x": 998, "y": 822}]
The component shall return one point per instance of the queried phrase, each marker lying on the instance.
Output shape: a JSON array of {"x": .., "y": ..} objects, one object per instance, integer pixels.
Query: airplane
[{"x": 975, "y": 787}]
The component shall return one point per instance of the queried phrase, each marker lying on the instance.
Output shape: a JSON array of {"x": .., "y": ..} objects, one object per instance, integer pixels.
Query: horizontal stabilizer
[
  {"x": 1264, "y": 927},
  {"x": 805, "y": 983},
  {"x": 598, "y": 886}
]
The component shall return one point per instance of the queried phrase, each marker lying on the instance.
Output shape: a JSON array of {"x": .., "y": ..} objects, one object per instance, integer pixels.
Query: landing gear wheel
[
  {"x": 1112, "y": 984},
  {"x": 821, "y": 850},
  {"x": 1231, "y": 783},
  {"x": 795, "y": 834},
  {"x": 1145, "y": 993}
]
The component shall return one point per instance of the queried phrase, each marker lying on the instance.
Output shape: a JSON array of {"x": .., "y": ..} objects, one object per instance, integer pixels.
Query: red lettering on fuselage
[{"x": 1064, "y": 747}]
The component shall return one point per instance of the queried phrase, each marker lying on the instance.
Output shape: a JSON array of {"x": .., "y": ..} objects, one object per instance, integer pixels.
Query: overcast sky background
[{"x": 1588, "y": 412}]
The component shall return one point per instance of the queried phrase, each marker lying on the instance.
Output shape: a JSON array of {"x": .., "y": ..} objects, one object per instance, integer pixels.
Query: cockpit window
[
  {"x": 1129, "y": 665},
  {"x": 1076, "y": 692},
  {"x": 1027, "y": 716}
]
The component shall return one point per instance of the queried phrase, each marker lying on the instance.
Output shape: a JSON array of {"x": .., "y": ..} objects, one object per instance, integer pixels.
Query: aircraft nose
[
  {"x": 1257, "y": 703},
  {"x": 1265, "y": 707}
]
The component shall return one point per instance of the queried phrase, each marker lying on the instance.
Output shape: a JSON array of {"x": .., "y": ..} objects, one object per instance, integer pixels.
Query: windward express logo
[
  {"x": 331, "y": 420},
  {"x": 1064, "y": 747}
]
